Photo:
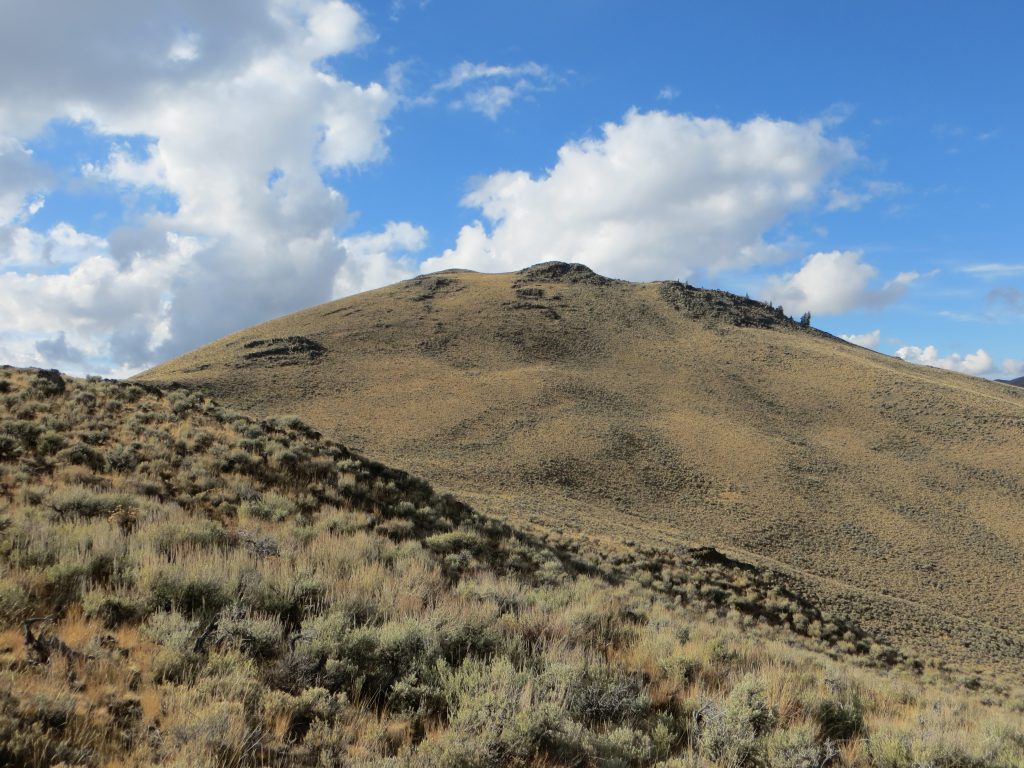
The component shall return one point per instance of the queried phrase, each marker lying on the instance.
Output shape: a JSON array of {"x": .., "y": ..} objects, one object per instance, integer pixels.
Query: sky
[{"x": 172, "y": 172}]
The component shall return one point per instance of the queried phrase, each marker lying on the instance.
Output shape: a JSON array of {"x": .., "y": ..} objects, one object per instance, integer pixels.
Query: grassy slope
[
  {"x": 671, "y": 416},
  {"x": 183, "y": 586}
]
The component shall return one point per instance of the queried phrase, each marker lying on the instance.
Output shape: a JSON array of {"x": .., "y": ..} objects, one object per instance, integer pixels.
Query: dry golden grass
[
  {"x": 650, "y": 413},
  {"x": 181, "y": 586}
]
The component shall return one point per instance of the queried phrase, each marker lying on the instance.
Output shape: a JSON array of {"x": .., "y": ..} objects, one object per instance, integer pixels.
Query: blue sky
[{"x": 170, "y": 176}]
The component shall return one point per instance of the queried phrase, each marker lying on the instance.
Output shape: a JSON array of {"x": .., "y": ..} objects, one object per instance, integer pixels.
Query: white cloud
[
  {"x": 845, "y": 199},
  {"x": 835, "y": 282},
  {"x": 379, "y": 259},
  {"x": 398, "y": 6},
  {"x": 333, "y": 27},
  {"x": 62, "y": 245},
  {"x": 668, "y": 93},
  {"x": 871, "y": 339},
  {"x": 122, "y": 168},
  {"x": 995, "y": 270},
  {"x": 22, "y": 182},
  {"x": 185, "y": 48},
  {"x": 242, "y": 97},
  {"x": 99, "y": 305},
  {"x": 465, "y": 72},
  {"x": 656, "y": 196},
  {"x": 979, "y": 363},
  {"x": 490, "y": 89}
]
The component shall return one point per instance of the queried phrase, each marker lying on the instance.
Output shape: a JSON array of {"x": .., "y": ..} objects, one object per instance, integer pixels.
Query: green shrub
[
  {"x": 731, "y": 732},
  {"x": 397, "y": 529},
  {"x": 841, "y": 717},
  {"x": 122, "y": 458},
  {"x": 419, "y": 694},
  {"x": 167, "y": 538},
  {"x": 172, "y": 590},
  {"x": 622, "y": 747},
  {"x": 74, "y": 502},
  {"x": 473, "y": 635},
  {"x": 302, "y": 710},
  {"x": 603, "y": 694},
  {"x": 889, "y": 750},
  {"x": 82, "y": 455},
  {"x": 241, "y": 462},
  {"x": 9, "y": 448},
  {"x": 599, "y": 625},
  {"x": 113, "y": 609},
  {"x": 269, "y": 506},
  {"x": 257, "y": 636},
  {"x": 796, "y": 747},
  {"x": 22, "y": 431},
  {"x": 170, "y": 629},
  {"x": 50, "y": 443},
  {"x": 455, "y": 542}
]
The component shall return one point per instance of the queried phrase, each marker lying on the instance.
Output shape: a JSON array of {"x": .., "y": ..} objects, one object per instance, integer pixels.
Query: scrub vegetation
[{"x": 180, "y": 585}]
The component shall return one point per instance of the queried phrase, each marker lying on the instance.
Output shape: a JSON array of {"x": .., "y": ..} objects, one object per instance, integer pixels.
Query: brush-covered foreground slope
[
  {"x": 183, "y": 586},
  {"x": 664, "y": 414}
]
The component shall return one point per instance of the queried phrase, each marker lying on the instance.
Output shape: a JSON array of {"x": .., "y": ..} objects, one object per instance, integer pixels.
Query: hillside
[
  {"x": 659, "y": 416},
  {"x": 1019, "y": 382},
  {"x": 182, "y": 586}
]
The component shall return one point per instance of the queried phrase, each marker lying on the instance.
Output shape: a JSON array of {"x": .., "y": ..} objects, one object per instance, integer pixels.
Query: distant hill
[
  {"x": 1019, "y": 382},
  {"x": 660, "y": 415},
  {"x": 183, "y": 586}
]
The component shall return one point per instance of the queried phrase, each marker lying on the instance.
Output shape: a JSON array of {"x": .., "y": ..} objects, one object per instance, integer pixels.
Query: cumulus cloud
[
  {"x": 1013, "y": 368},
  {"x": 97, "y": 304},
  {"x": 59, "y": 351},
  {"x": 490, "y": 89},
  {"x": 871, "y": 339},
  {"x": 835, "y": 282},
  {"x": 66, "y": 58},
  {"x": 241, "y": 117},
  {"x": 979, "y": 363},
  {"x": 657, "y": 195},
  {"x": 379, "y": 259},
  {"x": 61, "y": 245}
]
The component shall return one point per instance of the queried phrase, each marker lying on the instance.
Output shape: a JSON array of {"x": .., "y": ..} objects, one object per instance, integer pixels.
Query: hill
[
  {"x": 183, "y": 586},
  {"x": 665, "y": 417},
  {"x": 1015, "y": 382}
]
